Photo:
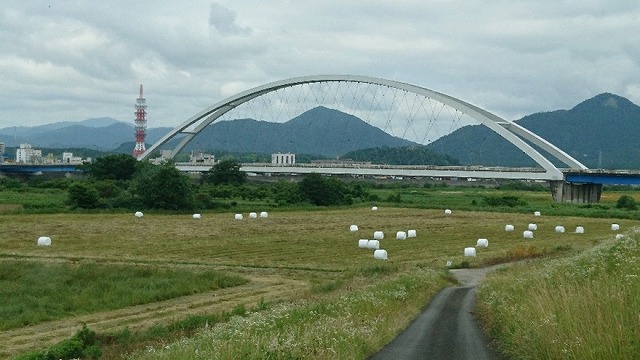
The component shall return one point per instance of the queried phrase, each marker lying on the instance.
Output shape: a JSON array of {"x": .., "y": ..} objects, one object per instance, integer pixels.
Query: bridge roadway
[{"x": 587, "y": 176}]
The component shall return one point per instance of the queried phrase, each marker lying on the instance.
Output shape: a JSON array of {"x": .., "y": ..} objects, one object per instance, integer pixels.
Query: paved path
[{"x": 446, "y": 329}]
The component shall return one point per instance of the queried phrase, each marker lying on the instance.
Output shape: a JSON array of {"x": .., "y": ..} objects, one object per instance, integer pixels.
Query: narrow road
[{"x": 446, "y": 329}]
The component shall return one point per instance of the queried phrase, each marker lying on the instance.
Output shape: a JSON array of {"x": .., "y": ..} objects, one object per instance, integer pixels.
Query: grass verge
[{"x": 581, "y": 307}]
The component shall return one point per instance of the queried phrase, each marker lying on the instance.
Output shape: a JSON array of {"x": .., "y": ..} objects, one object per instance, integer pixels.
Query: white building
[
  {"x": 68, "y": 158},
  {"x": 25, "y": 154},
  {"x": 1, "y": 152},
  {"x": 281, "y": 159}
]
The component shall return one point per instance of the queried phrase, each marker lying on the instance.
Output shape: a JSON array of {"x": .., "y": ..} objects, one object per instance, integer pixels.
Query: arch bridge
[{"x": 517, "y": 135}]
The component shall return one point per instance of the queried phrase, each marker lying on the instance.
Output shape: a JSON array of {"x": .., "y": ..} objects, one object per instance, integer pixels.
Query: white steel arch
[{"x": 507, "y": 129}]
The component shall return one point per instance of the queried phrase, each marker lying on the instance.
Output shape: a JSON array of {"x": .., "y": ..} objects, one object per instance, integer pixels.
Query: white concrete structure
[{"x": 283, "y": 159}]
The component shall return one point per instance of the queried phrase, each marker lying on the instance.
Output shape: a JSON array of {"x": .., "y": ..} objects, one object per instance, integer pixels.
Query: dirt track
[{"x": 267, "y": 288}]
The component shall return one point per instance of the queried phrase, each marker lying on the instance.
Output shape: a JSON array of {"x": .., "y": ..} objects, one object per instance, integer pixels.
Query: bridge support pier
[{"x": 563, "y": 191}]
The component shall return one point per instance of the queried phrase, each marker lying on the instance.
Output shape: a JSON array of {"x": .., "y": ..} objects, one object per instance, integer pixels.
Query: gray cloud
[
  {"x": 81, "y": 59},
  {"x": 224, "y": 20}
]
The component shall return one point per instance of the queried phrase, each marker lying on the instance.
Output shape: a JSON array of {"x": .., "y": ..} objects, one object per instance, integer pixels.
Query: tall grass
[
  {"x": 582, "y": 307},
  {"x": 34, "y": 292},
  {"x": 349, "y": 326}
]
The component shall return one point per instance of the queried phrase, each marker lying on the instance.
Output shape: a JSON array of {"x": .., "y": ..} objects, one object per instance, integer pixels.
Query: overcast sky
[{"x": 63, "y": 60}]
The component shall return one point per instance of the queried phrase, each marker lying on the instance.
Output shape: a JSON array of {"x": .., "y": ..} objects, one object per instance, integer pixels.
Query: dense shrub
[
  {"x": 506, "y": 200},
  {"x": 627, "y": 202},
  {"x": 84, "y": 196}
]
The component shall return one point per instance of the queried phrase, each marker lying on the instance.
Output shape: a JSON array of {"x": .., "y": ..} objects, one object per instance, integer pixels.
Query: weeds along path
[{"x": 260, "y": 288}]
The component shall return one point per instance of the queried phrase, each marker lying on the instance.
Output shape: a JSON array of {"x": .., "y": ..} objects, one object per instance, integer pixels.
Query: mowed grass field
[
  {"x": 314, "y": 240},
  {"x": 311, "y": 247}
]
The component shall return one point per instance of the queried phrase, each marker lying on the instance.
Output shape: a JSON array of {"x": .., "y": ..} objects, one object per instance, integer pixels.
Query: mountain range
[{"x": 601, "y": 132}]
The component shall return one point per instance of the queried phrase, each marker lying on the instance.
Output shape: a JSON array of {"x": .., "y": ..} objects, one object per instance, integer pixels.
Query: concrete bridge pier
[{"x": 563, "y": 191}]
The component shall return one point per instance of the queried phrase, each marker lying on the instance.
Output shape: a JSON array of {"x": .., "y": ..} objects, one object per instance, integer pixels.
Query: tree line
[{"x": 121, "y": 181}]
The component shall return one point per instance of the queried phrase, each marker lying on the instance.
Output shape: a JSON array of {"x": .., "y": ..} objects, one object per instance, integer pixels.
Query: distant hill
[
  {"x": 319, "y": 131},
  {"x": 601, "y": 132},
  {"x": 104, "y": 134},
  {"x": 406, "y": 155}
]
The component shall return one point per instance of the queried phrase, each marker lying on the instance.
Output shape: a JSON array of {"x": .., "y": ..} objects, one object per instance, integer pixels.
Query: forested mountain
[
  {"x": 406, "y": 155},
  {"x": 601, "y": 132},
  {"x": 319, "y": 131}
]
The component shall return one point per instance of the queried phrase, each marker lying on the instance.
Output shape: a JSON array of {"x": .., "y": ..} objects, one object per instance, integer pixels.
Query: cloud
[{"x": 223, "y": 19}]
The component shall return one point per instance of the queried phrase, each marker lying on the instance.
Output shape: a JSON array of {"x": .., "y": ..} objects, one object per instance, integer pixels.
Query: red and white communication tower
[{"x": 141, "y": 125}]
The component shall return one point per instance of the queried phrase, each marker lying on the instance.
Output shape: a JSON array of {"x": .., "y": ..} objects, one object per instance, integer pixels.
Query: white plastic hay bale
[
  {"x": 373, "y": 244},
  {"x": 378, "y": 235},
  {"x": 238, "y": 217},
  {"x": 527, "y": 234},
  {"x": 411, "y": 233},
  {"x": 139, "y": 214},
  {"x": 447, "y": 211},
  {"x": 44, "y": 241},
  {"x": 509, "y": 227},
  {"x": 380, "y": 254},
  {"x": 615, "y": 227},
  {"x": 560, "y": 229},
  {"x": 363, "y": 243},
  {"x": 482, "y": 243},
  {"x": 197, "y": 216},
  {"x": 579, "y": 230},
  {"x": 469, "y": 251},
  {"x": 619, "y": 236},
  {"x": 536, "y": 213},
  {"x": 353, "y": 228},
  {"x": 374, "y": 208},
  {"x": 532, "y": 227},
  {"x": 253, "y": 215},
  {"x": 264, "y": 214},
  {"x": 401, "y": 235}
]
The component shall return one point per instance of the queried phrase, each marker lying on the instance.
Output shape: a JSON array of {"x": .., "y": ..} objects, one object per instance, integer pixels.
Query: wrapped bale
[
  {"x": 482, "y": 243},
  {"x": 509, "y": 227},
  {"x": 560, "y": 229},
  {"x": 536, "y": 213},
  {"x": 238, "y": 217},
  {"x": 374, "y": 208},
  {"x": 469, "y": 251},
  {"x": 401, "y": 235},
  {"x": 378, "y": 235},
  {"x": 196, "y": 216},
  {"x": 380, "y": 254},
  {"x": 138, "y": 214},
  {"x": 579, "y": 230},
  {"x": 527, "y": 234},
  {"x": 619, "y": 236},
  {"x": 532, "y": 227},
  {"x": 447, "y": 211},
  {"x": 353, "y": 228},
  {"x": 253, "y": 215},
  {"x": 264, "y": 214},
  {"x": 411, "y": 233},
  {"x": 373, "y": 244},
  {"x": 615, "y": 227},
  {"x": 363, "y": 243},
  {"x": 44, "y": 241}
]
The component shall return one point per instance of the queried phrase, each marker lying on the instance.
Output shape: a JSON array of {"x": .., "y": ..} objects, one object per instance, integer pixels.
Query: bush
[
  {"x": 507, "y": 200},
  {"x": 627, "y": 202},
  {"x": 83, "y": 196}
]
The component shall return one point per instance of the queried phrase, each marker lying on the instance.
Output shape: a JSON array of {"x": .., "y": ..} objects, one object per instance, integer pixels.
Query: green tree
[
  {"x": 113, "y": 167},
  {"x": 226, "y": 172},
  {"x": 627, "y": 202},
  {"x": 323, "y": 191},
  {"x": 163, "y": 187},
  {"x": 83, "y": 196}
]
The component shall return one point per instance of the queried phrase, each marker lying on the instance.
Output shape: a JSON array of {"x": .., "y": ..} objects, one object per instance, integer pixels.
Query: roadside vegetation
[
  {"x": 583, "y": 306},
  {"x": 334, "y": 300}
]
